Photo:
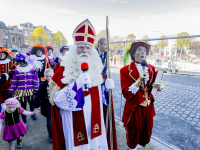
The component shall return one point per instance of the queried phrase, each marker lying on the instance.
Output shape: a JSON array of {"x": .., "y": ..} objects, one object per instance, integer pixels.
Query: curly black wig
[{"x": 35, "y": 49}]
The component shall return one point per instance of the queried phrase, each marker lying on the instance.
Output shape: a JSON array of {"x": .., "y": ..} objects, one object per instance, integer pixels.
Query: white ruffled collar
[
  {"x": 38, "y": 58},
  {"x": 60, "y": 57},
  {"x": 4, "y": 61},
  {"x": 51, "y": 56},
  {"x": 24, "y": 69}
]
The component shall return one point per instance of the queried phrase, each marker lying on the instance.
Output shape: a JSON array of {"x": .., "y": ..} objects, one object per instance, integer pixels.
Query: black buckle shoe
[
  {"x": 50, "y": 139},
  {"x": 19, "y": 143},
  {"x": 34, "y": 117}
]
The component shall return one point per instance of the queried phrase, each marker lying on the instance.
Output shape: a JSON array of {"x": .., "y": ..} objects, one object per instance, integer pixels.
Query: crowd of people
[{"x": 73, "y": 99}]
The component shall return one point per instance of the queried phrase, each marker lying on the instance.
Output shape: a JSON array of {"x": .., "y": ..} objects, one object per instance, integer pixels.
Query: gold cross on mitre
[{"x": 86, "y": 35}]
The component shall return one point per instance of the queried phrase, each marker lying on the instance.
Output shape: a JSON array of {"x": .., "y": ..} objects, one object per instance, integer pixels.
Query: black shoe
[
  {"x": 34, "y": 117},
  {"x": 19, "y": 143},
  {"x": 50, "y": 139}
]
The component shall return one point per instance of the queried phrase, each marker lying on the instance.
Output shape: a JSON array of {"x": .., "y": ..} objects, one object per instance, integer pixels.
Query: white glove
[
  {"x": 110, "y": 84},
  {"x": 143, "y": 75},
  {"x": 84, "y": 78},
  {"x": 159, "y": 85}
]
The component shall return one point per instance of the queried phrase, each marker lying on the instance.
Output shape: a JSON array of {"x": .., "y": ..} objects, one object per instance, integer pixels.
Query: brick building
[
  {"x": 14, "y": 35},
  {"x": 3, "y": 31},
  {"x": 28, "y": 28}
]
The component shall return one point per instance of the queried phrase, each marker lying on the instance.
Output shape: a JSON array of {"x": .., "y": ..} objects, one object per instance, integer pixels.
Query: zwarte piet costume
[
  {"x": 25, "y": 83},
  {"x": 7, "y": 67},
  {"x": 43, "y": 59},
  {"x": 50, "y": 58},
  {"x": 59, "y": 58}
]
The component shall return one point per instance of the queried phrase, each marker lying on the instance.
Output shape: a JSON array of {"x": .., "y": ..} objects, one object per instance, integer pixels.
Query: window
[
  {"x": 49, "y": 36},
  {"x": 31, "y": 33},
  {"x": 19, "y": 39},
  {"x": 16, "y": 29},
  {"x": 26, "y": 42},
  {"x": 26, "y": 33},
  {"x": 13, "y": 39}
]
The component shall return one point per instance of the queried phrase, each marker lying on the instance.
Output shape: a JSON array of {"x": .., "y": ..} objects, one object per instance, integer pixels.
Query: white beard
[
  {"x": 80, "y": 60},
  {"x": 72, "y": 64}
]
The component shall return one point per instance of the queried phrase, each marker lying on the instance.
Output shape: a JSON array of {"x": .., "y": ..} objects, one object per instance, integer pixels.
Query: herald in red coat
[{"x": 137, "y": 119}]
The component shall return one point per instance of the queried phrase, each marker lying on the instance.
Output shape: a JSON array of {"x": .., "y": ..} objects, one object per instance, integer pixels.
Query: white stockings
[{"x": 12, "y": 145}]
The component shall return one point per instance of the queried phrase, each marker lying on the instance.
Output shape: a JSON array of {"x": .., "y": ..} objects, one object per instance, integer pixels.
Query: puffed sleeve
[
  {"x": 128, "y": 90},
  {"x": 2, "y": 116},
  {"x": 70, "y": 98},
  {"x": 13, "y": 86}
]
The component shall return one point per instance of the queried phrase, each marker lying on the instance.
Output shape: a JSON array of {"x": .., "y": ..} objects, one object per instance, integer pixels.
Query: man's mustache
[{"x": 84, "y": 54}]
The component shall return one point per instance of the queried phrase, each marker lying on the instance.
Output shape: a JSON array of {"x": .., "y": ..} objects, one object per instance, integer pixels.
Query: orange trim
[{"x": 43, "y": 79}]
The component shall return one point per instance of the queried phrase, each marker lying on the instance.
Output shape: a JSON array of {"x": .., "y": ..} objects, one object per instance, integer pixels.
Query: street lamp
[{"x": 5, "y": 37}]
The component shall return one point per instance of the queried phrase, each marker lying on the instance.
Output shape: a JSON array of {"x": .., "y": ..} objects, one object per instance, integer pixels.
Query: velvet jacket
[{"x": 129, "y": 74}]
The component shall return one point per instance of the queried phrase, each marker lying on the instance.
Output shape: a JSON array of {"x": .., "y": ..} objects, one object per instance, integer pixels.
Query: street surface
[{"x": 177, "y": 120}]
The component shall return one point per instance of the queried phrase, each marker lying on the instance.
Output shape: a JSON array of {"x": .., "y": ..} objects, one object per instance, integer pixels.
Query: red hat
[
  {"x": 3, "y": 49},
  {"x": 144, "y": 42},
  {"x": 39, "y": 45},
  {"x": 49, "y": 47},
  {"x": 84, "y": 32}
]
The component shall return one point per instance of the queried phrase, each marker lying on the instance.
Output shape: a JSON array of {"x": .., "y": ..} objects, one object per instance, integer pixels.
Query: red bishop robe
[
  {"x": 57, "y": 130},
  {"x": 137, "y": 119}
]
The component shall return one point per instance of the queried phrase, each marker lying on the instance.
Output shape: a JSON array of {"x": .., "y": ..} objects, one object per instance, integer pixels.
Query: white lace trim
[
  {"x": 60, "y": 57},
  {"x": 64, "y": 98},
  {"x": 38, "y": 58},
  {"x": 140, "y": 69},
  {"x": 51, "y": 56},
  {"x": 24, "y": 69},
  {"x": 133, "y": 88},
  {"x": 4, "y": 61}
]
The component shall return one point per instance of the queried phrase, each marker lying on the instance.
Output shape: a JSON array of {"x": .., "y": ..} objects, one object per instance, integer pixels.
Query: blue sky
[{"x": 140, "y": 17}]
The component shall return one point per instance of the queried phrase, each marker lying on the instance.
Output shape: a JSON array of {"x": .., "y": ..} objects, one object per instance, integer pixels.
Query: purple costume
[
  {"x": 14, "y": 127},
  {"x": 25, "y": 82},
  {"x": 51, "y": 61}
]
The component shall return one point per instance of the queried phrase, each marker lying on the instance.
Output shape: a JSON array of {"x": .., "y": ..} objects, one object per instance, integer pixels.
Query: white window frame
[{"x": 25, "y": 33}]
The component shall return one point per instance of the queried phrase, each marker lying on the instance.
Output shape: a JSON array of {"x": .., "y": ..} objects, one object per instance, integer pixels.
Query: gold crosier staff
[{"x": 109, "y": 111}]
